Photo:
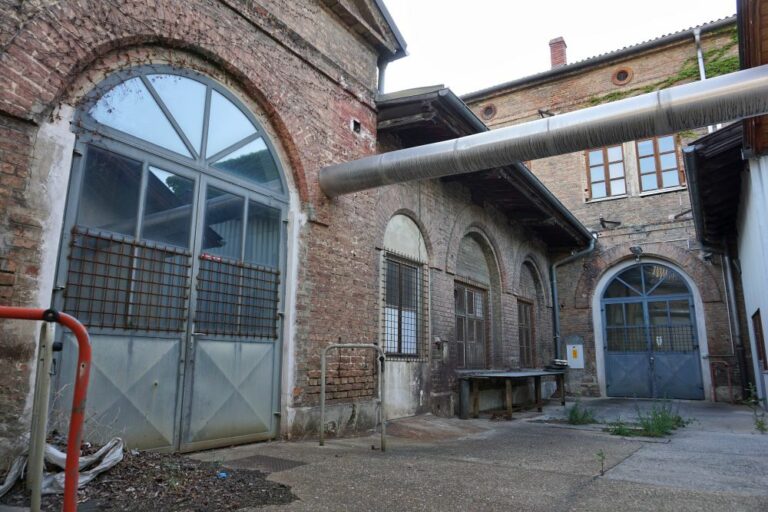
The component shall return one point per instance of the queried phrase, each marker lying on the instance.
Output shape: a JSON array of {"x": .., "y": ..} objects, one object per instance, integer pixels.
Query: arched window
[
  {"x": 650, "y": 335},
  {"x": 405, "y": 290},
  {"x": 530, "y": 311},
  {"x": 173, "y": 255},
  {"x": 174, "y": 164},
  {"x": 474, "y": 298}
]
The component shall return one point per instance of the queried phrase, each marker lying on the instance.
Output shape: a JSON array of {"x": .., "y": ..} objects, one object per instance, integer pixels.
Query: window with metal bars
[
  {"x": 405, "y": 305},
  {"x": 525, "y": 324},
  {"x": 471, "y": 323}
]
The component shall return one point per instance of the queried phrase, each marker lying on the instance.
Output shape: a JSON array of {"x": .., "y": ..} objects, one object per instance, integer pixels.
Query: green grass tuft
[{"x": 578, "y": 415}]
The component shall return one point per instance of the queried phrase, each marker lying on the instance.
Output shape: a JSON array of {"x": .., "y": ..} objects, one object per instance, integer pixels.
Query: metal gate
[
  {"x": 650, "y": 343},
  {"x": 173, "y": 256}
]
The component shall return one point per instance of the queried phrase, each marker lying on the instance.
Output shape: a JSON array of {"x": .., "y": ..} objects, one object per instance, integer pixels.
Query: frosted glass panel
[
  {"x": 668, "y": 161},
  {"x": 130, "y": 108},
  {"x": 670, "y": 179},
  {"x": 666, "y": 144},
  {"x": 647, "y": 165},
  {"x": 598, "y": 190},
  {"x": 645, "y": 148},
  {"x": 614, "y": 154},
  {"x": 649, "y": 182},
  {"x": 227, "y": 125},
  {"x": 185, "y": 99},
  {"x": 618, "y": 187}
]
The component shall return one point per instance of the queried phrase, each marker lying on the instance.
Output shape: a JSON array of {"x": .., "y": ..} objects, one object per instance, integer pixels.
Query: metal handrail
[
  {"x": 72, "y": 467},
  {"x": 382, "y": 409}
]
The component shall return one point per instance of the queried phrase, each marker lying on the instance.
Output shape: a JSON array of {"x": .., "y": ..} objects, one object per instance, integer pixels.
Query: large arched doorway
[
  {"x": 650, "y": 341},
  {"x": 173, "y": 254}
]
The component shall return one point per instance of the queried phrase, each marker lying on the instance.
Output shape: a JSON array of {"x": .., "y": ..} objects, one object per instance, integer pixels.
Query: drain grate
[{"x": 264, "y": 463}]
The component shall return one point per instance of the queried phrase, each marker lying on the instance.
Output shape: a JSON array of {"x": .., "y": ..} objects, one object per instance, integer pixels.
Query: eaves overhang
[{"x": 433, "y": 114}]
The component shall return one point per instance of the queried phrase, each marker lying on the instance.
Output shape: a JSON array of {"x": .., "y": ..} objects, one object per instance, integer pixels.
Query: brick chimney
[{"x": 557, "y": 48}]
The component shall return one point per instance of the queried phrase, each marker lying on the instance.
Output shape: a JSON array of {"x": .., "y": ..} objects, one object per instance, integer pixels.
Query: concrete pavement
[{"x": 716, "y": 463}]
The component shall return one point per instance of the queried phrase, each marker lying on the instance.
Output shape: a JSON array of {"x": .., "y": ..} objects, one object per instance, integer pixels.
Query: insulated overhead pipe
[{"x": 715, "y": 100}]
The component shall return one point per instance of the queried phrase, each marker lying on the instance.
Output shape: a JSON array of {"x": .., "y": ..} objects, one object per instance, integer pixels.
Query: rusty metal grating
[
  {"x": 236, "y": 298},
  {"x": 116, "y": 282},
  {"x": 264, "y": 463}
]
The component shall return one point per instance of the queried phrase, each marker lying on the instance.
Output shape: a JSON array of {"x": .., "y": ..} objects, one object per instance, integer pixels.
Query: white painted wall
[
  {"x": 49, "y": 178},
  {"x": 403, "y": 388},
  {"x": 753, "y": 253}
]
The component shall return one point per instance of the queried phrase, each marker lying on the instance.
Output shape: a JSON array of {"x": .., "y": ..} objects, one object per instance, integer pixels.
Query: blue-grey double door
[{"x": 650, "y": 342}]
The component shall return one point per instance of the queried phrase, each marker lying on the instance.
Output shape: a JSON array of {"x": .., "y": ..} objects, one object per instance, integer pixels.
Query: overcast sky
[{"x": 470, "y": 45}]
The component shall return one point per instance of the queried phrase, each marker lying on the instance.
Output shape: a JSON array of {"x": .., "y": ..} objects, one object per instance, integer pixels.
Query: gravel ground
[{"x": 153, "y": 481}]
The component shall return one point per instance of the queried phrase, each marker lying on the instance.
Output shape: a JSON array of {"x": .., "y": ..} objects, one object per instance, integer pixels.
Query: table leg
[
  {"x": 509, "y": 398},
  {"x": 561, "y": 378},
  {"x": 464, "y": 399},
  {"x": 537, "y": 385},
  {"x": 475, "y": 399}
]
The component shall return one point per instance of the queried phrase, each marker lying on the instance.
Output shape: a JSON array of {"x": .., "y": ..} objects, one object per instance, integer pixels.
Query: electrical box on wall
[
  {"x": 574, "y": 352},
  {"x": 575, "y": 356}
]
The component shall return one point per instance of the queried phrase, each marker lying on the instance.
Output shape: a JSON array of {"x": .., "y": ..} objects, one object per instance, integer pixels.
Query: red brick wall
[
  {"x": 659, "y": 223},
  {"x": 307, "y": 94}
]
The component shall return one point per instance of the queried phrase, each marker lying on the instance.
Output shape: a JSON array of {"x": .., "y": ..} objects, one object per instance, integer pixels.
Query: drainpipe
[
  {"x": 382, "y": 75},
  {"x": 730, "y": 293},
  {"x": 700, "y": 59},
  {"x": 555, "y": 299}
]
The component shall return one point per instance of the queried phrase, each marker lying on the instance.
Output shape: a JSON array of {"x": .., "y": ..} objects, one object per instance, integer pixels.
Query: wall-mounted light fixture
[{"x": 637, "y": 251}]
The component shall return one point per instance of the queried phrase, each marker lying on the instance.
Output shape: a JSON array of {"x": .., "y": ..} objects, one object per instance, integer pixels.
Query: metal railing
[
  {"x": 72, "y": 469},
  {"x": 382, "y": 410}
]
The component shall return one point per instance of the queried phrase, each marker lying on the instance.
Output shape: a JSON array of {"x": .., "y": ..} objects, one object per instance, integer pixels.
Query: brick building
[
  {"x": 634, "y": 196},
  {"x": 160, "y": 182}
]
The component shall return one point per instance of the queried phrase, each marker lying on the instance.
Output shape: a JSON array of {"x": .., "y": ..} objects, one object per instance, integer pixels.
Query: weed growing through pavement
[
  {"x": 600, "y": 455},
  {"x": 578, "y": 415},
  {"x": 659, "y": 421},
  {"x": 619, "y": 428},
  {"x": 758, "y": 414}
]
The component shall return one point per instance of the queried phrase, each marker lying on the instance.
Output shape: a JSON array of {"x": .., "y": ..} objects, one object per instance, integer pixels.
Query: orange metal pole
[{"x": 72, "y": 468}]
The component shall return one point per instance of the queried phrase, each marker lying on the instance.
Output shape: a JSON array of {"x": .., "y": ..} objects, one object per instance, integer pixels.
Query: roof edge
[{"x": 597, "y": 60}]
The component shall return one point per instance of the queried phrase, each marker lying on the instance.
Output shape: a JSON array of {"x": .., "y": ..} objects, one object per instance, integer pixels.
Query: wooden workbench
[{"x": 472, "y": 378}]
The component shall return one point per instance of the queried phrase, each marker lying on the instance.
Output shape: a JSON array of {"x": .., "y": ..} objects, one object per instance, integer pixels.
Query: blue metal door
[{"x": 650, "y": 344}]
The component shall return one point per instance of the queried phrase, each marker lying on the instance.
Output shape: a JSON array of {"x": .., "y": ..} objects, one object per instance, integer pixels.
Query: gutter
[
  {"x": 691, "y": 165},
  {"x": 553, "y": 282}
]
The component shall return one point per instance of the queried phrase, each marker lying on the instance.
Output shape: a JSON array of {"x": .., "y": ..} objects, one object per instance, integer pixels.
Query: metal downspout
[
  {"x": 555, "y": 298},
  {"x": 700, "y": 60},
  {"x": 382, "y": 75},
  {"x": 730, "y": 293}
]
